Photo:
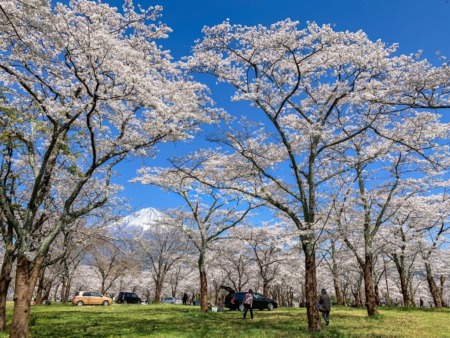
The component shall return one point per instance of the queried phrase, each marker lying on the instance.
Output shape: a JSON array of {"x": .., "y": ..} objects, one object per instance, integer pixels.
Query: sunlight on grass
[{"x": 164, "y": 320}]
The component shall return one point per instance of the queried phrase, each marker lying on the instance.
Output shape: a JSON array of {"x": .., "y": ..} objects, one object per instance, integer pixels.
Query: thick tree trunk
[
  {"x": 27, "y": 273},
  {"x": 404, "y": 287},
  {"x": 369, "y": 287},
  {"x": 158, "y": 289},
  {"x": 203, "y": 284},
  {"x": 203, "y": 292},
  {"x": 5, "y": 280},
  {"x": 433, "y": 287},
  {"x": 311, "y": 292}
]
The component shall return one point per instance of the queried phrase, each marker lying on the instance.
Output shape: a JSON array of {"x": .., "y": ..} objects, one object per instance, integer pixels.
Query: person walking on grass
[
  {"x": 248, "y": 303},
  {"x": 325, "y": 306}
]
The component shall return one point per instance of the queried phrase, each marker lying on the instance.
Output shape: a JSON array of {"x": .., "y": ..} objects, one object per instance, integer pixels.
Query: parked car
[
  {"x": 90, "y": 298},
  {"x": 233, "y": 300},
  {"x": 172, "y": 300},
  {"x": 127, "y": 298}
]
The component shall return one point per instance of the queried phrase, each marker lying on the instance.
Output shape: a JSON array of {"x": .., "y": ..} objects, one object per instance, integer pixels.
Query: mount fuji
[{"x": 138, "y": 222}]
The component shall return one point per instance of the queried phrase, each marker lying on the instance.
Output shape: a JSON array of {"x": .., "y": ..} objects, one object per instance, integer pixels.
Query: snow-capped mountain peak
[{"x": 138, "y": 222}]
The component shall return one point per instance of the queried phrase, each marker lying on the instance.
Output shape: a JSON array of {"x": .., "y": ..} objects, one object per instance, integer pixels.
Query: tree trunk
[
  {"x": 433, "y": 287},
  {"x": 47, "y": 289},
  {"x": 27, "y": 273},
  {"x": 387, "y": 296},
  {"x": 311, "y": 292},
  {"x": 337, "y": 290},
  {"x": 5, "y": 280},
  {"x": 65, "y": 290},
  {"x": 158, "y": 289},
  {"x": 336, "y": 283},
  {"x": 442, "y": 280},
  {"x": 40, "y": 287},
  {"x": 400, "y": 265},
  {"x": 203, "y": 284},
  {"x": 203, "y": 292},
  {"x": 265, "y": 288},
  {"x": 369, "y": 287},
  {"x": 377, "y": 295},
  {"x": 404, "y": 287},
  {"x": 412, "y": 293}
]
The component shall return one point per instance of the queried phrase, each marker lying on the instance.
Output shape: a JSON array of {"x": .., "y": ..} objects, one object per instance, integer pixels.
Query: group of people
[{"x": 324, "y": 305}]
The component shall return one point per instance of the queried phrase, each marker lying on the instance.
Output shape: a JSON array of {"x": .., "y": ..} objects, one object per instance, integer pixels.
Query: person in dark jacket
[
  {"x": 185, "y": 298},
  {"x": 325, "y": 306}
]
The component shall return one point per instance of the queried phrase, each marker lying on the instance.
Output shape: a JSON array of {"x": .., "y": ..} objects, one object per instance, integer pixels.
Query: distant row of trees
[
  {"x": 161, "y": 261},
  {"x": 341, "y": 142}
]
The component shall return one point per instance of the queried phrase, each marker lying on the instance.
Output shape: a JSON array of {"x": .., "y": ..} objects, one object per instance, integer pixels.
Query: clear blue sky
[{"x": 414, "y": 24}]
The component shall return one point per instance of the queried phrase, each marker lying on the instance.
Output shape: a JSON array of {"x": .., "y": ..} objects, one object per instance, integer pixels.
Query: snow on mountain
[{"x": 138, "y": 222}]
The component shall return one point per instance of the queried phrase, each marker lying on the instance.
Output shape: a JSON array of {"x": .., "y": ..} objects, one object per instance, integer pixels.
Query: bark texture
[{"x": 27, "y": 274}]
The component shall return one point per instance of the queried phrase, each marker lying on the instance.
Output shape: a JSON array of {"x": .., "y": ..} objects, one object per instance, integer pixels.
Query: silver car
[{"x": 172, "y": 300}]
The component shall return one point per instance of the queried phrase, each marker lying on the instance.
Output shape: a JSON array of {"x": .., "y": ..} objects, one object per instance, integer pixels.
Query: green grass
[{"x": 167, "y": 320}]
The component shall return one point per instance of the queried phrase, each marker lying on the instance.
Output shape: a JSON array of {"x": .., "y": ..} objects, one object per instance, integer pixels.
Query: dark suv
[
  {"x": 127, "y": 298},
  {"x": 233, "y": 300}
]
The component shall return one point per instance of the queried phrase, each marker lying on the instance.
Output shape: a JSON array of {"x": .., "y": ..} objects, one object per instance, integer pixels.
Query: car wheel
[
  {"x": 105, "y": 303},
  {"x": 241, "y": 307},
  {"x": 270, "y": 307},
  {"x": 80, "y": 303}
]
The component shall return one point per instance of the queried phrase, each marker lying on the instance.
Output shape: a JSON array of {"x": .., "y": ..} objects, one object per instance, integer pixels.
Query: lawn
[{"x": 167, "y": 320}]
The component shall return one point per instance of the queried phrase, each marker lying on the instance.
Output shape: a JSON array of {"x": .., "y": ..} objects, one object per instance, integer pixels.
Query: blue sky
[{"x": 414, "y": 24}]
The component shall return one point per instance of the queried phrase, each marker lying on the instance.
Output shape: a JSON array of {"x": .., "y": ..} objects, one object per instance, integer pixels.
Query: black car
[
  {"x": 233, "y": 300},
  {"x": 127, "y": 298}
]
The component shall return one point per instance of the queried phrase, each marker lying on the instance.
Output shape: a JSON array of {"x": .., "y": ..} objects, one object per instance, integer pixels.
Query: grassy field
[{"x": 167, "y": 320}]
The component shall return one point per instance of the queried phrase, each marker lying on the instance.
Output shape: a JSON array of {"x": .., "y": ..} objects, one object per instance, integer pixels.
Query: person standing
[
  {"x": 421, "y": 302},
  {"x": 248, "y": 303},
  {"x": 325, "y": 306},
  {"x": 185, "y": 298}
]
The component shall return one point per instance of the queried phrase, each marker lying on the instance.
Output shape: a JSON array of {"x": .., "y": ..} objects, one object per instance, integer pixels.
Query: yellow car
[{"x": 90, "y": 298}]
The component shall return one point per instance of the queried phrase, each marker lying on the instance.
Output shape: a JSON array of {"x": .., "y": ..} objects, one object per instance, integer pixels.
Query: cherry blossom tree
[
  {"x": 402, "y": 246},
  {"x": 389, "y": 170},
  {"x": 86, "y": 85},
  {"x": 234, "y": 260},
  {"x": 314, "y": 90},
  {"x": 76, "y": 243},
  {"x": 267, "y": 250},
  {"x": 207, "y": 213},
  {"x": 163, "y": 246},
  {"x": 331, "y": 254},
  {"x": 109, "y": 261},
  {"x": 432, "y": 227}
]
